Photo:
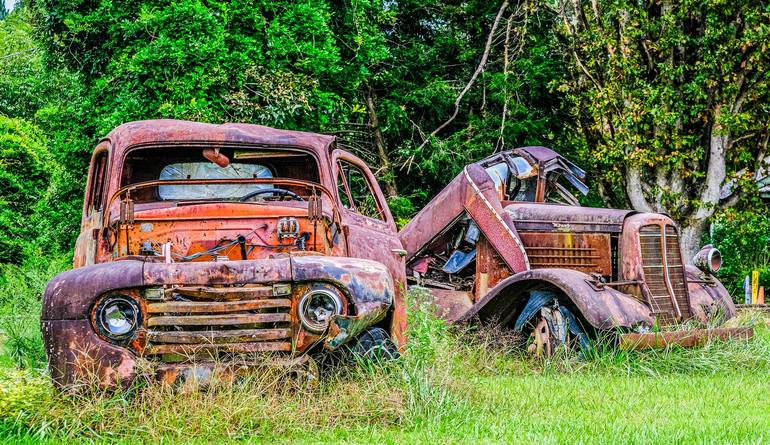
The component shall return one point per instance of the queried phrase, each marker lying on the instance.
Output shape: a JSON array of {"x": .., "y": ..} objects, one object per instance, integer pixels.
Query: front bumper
[{"x": 686, "y": 339}]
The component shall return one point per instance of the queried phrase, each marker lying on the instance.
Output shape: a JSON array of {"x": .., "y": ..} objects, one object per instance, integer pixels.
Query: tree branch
[{"x": 476, "y": 73}]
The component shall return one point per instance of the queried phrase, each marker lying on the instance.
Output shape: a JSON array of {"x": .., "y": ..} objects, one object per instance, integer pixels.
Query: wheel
[
  {"x": 551, "y": 325},
  {"x": 549, "y": 334},
  {"x": 374, "y": 344}
]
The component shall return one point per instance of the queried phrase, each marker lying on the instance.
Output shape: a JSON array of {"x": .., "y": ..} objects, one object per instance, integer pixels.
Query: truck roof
[{"x": 150, "y": 132}]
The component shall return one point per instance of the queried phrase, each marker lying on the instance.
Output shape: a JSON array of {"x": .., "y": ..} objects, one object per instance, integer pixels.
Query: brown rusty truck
[
  {"x": 506, "y": 242},
  {"x": 202, "y": 245}
]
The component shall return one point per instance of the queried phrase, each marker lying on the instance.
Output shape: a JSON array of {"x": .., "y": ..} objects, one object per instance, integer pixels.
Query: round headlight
[
  {"x": 118, "y": 316},
  {"x": 708, "y": 259},
  {"x": 317, "y": 307}
]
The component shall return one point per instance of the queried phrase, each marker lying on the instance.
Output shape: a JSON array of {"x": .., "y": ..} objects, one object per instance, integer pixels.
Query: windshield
[
  {"x": 516, "y": 180},
  {"x": 190, "y": 163},
  {"x": 209, "y": 170}
]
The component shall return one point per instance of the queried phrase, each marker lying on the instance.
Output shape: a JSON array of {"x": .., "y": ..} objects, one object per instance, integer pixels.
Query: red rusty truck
[
  {"x": 506, "y": 242},
  {"x": 205, "y": 243}
]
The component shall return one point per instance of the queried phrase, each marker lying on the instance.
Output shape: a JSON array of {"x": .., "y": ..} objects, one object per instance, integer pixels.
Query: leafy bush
[
  {"x": 24, "y": 176},
  {"x": 743, "y": 237}
]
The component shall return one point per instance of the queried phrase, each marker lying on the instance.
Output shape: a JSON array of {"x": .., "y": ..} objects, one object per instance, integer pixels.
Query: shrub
[{"x": 743, "y": 237}]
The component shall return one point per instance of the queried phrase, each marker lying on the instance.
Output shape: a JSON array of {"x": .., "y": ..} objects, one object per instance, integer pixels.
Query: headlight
[
  {"x": 708, "y": 259},
  {"x": 118, "y": 316},
  {"x": 317, "y": 307}
]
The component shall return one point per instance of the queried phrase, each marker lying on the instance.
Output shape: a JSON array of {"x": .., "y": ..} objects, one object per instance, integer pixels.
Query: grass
[{"x": 450, "y": 387}]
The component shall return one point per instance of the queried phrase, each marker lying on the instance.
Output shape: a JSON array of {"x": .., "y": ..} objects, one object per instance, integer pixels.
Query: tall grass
[
  {"x": 21, "y": 288},
  {"x": 450, "y": 382}
]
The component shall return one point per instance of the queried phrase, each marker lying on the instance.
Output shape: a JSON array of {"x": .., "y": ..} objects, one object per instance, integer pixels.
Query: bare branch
[{"x": 476, "y": 73}]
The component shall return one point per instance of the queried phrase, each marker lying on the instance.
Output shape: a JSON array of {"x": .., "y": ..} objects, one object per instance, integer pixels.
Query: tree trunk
[
  {"x": 386, "y": 168},
  {"x": 691, "y": 237}
]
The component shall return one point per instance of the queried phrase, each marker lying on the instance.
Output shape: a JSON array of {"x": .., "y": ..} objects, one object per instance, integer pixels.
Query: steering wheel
[{"x": 276, "y": 192}]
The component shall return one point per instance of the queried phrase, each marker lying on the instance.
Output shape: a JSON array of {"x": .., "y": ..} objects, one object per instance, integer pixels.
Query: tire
[{"x": 374, "y": 344}]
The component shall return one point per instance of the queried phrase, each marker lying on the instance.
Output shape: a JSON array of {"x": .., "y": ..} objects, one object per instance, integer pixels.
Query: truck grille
[
  {"x": 204, "y": 321},
  {"x": 586, "y": 252},
  {"x": 664, "y": 273}
]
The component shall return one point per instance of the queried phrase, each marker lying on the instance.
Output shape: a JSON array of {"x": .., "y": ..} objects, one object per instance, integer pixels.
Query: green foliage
[
  {"x": 266, "y": 62},
  {"x": 21, "y": 289},
  {"x": 669, "y": 97},
  {"x": 743, "y": 238},
  {"x": 54, "y": 101},
  {"x": 24, "y": 175}
]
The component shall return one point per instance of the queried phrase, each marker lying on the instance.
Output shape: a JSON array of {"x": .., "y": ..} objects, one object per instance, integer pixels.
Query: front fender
[
  {"x": 603, "y": 308},
  {"x": 708, "y": 297},
  {"x": 70, "y": 294},
  {"x": 369, "y": 286}
]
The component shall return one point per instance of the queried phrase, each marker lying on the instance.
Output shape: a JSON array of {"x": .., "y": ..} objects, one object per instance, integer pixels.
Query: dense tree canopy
[
  {"x": 661, "y": 101},
  {"x": 671, "y": 98}
]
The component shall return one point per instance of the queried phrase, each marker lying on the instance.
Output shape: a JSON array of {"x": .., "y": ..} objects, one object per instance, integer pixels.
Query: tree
[
  {"x": 670, "y": 99},
  {"x": 24, "y": 174},
  {"x": 461, "y": 81}
]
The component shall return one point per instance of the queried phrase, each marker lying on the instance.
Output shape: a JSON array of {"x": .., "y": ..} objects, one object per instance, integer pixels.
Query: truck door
[{"x": 369, "y": 229}]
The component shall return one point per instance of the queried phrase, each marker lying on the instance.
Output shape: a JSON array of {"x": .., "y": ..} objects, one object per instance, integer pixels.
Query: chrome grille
[
  {"x": 664, "y": 272},
  {"x": 190, "y": 322}
]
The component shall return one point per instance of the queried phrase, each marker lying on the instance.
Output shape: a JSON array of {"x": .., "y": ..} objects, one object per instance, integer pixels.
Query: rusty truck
[
  {"x": 507, "y": 242},
  {"x": 205, "y": 243}
]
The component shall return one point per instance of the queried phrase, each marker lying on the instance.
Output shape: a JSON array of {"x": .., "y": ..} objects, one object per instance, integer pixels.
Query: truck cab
[{"x": 204, "y": 244}]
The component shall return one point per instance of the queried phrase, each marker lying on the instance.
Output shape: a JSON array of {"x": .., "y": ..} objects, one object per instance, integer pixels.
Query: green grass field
[{"x": 450, "y": 387}]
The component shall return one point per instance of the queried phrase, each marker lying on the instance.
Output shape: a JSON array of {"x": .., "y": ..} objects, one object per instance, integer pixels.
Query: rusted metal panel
[
  {"x": 214, "y": 273},
  {"x": 451, "y": 304},
  {"x": 490, "y": 268},
  {"x": 194, "y": 307},
  {"x": 686, "y": 339},
  {"x": 76, "y": 355},
  {"x": 216, "y": 320},
  {"x": 475, "y": 192},
  {"x": 528, "y": 216},
  {"x": 228, "y": 336},
  {"x": 225, "y": 293},
  {"x": 238, "y": 348},
  {"x": 586, "y": 252}
]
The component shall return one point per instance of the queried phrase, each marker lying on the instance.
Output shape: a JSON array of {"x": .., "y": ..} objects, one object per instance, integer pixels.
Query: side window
[
  {"x": 355, "y": 192},
  {"x": 98, "y": 179}
]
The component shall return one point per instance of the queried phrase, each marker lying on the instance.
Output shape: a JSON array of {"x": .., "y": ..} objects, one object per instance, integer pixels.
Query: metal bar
[
  {"x": 216, "y": 320},
  {"x": 231, "y": 336},
  {"x": 687, "y": 339},
  {"x": 229, "y": 293},
  {"x": 215, "y": 307},
  {"x": 226, "y": 347}
]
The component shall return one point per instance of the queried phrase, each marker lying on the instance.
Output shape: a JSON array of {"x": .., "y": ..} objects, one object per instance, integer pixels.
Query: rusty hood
[{"x": 549, "y": 217}]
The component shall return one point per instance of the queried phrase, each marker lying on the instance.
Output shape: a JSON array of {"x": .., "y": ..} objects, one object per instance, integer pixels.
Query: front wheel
[{"x": 374, "y": 344}]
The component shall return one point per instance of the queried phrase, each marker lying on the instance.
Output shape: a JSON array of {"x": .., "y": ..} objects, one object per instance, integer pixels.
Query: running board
[{"x": 685, "y": 339}]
